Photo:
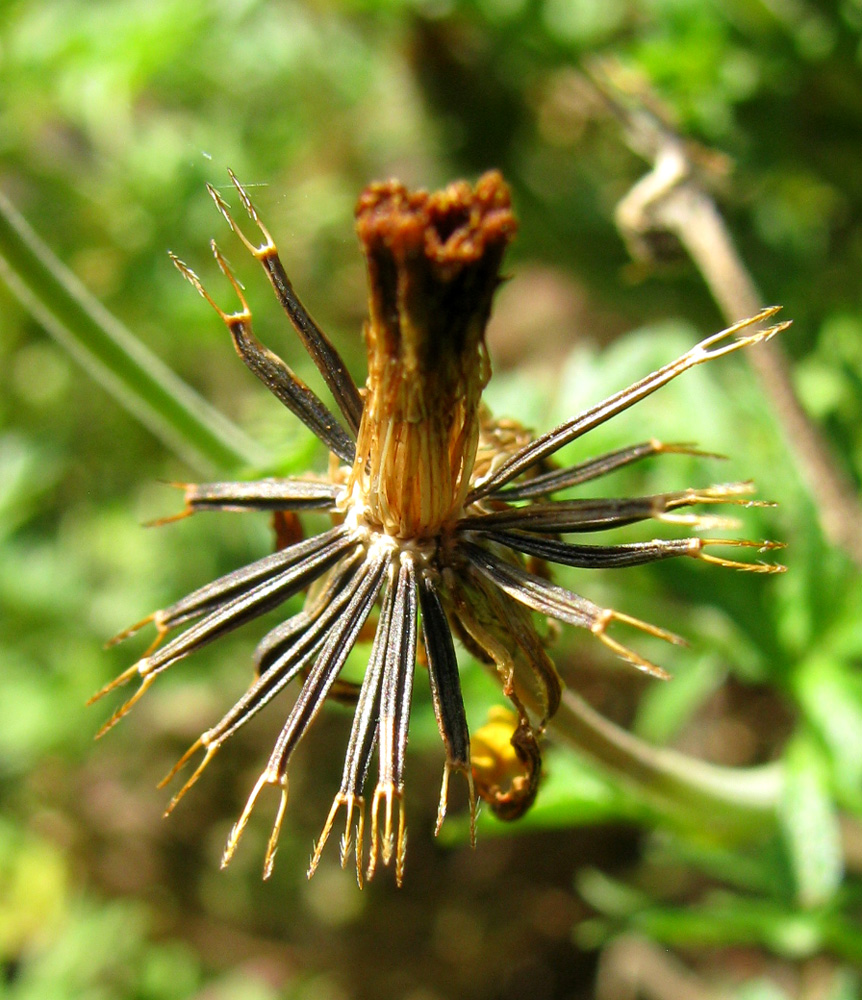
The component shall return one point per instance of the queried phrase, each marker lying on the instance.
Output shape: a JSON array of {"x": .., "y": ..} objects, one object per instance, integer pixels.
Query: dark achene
[{"x": 435, "y": 507}]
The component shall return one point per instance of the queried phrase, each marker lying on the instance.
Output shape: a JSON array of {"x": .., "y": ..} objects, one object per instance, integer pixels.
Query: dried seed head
[
  {"x": 433, "y": 265},
  {"x": 439, "y": 512}
]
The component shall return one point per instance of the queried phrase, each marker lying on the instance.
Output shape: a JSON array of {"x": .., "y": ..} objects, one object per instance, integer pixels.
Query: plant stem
[
  {"x": 112, "y": 355},
  {"x": 737, "y": 802},
  {"x": 671, "y": 198}
]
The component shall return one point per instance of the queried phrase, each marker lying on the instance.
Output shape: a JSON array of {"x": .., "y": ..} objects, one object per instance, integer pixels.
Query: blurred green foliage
[{"x": 113, "y": 116}]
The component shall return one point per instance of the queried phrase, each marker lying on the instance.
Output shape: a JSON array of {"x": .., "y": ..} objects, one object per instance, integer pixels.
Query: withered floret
[{"x": 433, "y": 266}]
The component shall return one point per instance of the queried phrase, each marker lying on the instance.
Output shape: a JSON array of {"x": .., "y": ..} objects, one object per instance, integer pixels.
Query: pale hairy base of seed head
[
  {"x": 357, "y": 521},
  {"x": 360, "y": 522}
]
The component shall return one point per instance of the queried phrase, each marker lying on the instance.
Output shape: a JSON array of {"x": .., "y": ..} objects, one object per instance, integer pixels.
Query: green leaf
[
  {"x": 666, "y": 708},
  {"x": 761, "y": 989},
  {"x": 112, "y": 355},
  {"x": 830, "y": 693},
  {"x": 760, "y": 869},
  {"x": 809, "y": 824},
  {"x": 721, "y": 920}
]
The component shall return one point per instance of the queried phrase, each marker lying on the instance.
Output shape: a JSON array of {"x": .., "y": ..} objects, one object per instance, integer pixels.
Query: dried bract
[{"x": 444, "y": 523}]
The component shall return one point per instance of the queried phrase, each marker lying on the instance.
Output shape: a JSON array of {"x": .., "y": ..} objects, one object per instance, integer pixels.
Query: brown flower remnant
[{"x": 436, "y": 508}]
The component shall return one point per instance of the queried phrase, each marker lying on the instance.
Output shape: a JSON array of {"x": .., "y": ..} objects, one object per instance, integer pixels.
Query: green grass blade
[{"x": 113, "y": 356}]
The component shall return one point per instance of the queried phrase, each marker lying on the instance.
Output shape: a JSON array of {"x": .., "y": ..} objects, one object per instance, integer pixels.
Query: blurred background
[{"x": 113, "y": 116}]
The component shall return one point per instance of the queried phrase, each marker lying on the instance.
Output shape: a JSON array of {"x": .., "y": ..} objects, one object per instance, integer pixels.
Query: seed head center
[{"x": 377, "y": 540}]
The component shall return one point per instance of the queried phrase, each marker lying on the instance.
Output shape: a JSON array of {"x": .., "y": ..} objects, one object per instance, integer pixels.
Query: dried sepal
[
  {"x": 360, "y": 747},
  {"x": 263, "y": 494},
  {"x": 500, "y": 630},
  {"x": 554, "y": 480},
  {"x": 599, "y": 514},
  {"x": 329, "y": 662},
  {"x": 281, "y": 381},
  {"x": 327, "y": 359},
  {"x": 547, "y": 444},
  {"x": 446, "y": 697},
  {"x": 557, "y": 602}
]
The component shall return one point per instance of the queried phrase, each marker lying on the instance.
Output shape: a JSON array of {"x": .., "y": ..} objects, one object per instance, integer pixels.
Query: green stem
[
  {"x": 113, "y": 356},
  {"x": 739, "y": 802}
]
